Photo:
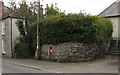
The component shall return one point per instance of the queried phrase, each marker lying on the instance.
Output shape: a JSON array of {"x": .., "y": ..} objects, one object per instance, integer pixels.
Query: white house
[
  {"x": 9, "y": 34},
  {"x": 113, "y": 13},
  {"x": 9, "y": 31}
]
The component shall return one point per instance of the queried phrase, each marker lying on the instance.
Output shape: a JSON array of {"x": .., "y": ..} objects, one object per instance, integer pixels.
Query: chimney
[{"x": 1, "y": 8}]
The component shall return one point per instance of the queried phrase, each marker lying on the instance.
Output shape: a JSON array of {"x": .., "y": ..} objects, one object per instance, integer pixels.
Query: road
[{"x": 10, "y": 68}]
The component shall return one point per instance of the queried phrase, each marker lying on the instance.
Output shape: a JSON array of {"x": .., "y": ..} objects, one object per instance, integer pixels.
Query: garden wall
[{"x": 71, "y": 52}]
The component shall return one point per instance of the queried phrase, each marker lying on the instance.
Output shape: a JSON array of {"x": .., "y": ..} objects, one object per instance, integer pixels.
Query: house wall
[
  {"x": 1, "y": 12},
  {"x": 112, "y": 11},
  {"x": 115, "y": 21},
  {"x": 0, "y": 39},
  {"x": 119, "y": 20},
  {"x": 11, "y": 33},
  {"x": 6, "y": 38},
  {"x": 0, "y": 46},
  {"x": 15, "y": 31}
]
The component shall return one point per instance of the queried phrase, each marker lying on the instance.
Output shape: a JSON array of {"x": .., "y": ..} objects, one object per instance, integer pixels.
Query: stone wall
[{"x": 71, "y": 52}]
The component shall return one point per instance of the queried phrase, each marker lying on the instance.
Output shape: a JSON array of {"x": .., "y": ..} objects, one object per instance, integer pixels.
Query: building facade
[
  {"x": 113, "y": 13},
  {"x": 9, "y": 32},
  {"x": 9, "y": 29},
  {"x": 1, "y": 12}
]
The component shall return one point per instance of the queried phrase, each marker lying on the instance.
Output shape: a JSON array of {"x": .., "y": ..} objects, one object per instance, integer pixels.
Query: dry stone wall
[{"x": 71, "y": 52}]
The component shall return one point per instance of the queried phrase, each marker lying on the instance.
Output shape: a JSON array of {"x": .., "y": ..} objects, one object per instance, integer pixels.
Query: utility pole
[{"x": 37, "y": 53}]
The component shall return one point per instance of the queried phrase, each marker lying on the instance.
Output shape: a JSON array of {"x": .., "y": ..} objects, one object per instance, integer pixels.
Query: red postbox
[{"x": 50, "y": 50}]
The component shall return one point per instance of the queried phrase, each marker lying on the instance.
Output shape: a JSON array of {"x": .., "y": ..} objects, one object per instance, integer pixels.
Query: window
[{"x": 3, "y": 29}]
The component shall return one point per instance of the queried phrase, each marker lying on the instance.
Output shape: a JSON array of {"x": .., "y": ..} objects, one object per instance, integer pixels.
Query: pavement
[{"x": 106, "y": 65}]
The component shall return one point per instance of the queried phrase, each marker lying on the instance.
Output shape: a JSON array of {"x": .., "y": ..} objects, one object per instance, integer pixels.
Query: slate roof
[
  {"x": 112, "y": 11},
  {"x": 11, "y": 14}
]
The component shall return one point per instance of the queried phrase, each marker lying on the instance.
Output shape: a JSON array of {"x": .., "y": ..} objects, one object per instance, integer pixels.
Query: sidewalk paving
[{"x": 107, "y": 65}]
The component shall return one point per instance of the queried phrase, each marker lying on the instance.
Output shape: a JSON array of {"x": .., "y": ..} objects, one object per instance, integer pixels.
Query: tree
[
  {"x": 52, "y": 10},
  {"x": 27, "y": 19}
]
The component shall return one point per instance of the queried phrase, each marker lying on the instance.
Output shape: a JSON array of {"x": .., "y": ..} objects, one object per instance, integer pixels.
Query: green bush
[
  {"x": 22, "y": 50},
  {"x": 27, "y": 39},
  {"x": 104, "y": 30},
  {"x": 63, "y": 28},
  {"x": 74, "y": 28},
  {"x": 103, "y": 33}
]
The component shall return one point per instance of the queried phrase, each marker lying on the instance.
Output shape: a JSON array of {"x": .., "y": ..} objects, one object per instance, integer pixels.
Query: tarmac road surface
[{"x": 10, "y": 68}]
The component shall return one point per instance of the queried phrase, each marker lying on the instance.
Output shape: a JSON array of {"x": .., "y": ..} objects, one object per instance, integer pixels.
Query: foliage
[
  {"x": 27, "y": 26},
  {"x": 20, "y": 25},
  {"x": 52, "y": 10},
  {"x": 22, "y": 50},
  {"x": 58, "y": 28},
  {"x": 104, "y": 29},
  {"x": 80, "y": 28},
  {"x": 104, "y": 32},
  {"x": 28, "y": 19},
  {"x": 74, "y": 28}
]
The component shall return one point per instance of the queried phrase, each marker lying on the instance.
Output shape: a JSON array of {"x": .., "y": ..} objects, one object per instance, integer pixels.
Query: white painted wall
[
  {"x": 15, "y": 31},
  {"x": 119, "y": 28},
  {"x": 6, "y": 39},
  {"x": 115, "y": 21},
  {"x": 0, "y": 42}
]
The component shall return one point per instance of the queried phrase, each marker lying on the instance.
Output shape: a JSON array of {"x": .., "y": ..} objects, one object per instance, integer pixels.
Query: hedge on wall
[
  {"x": 75, "y": 28},
  {"x": 104, "y": 30},
  {"x": 63, "y": 28}
]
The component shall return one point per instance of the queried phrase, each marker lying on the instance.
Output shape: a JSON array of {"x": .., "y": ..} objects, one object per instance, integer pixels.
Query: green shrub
[
  {"x": 63, "y": 28},
  {"x": 104, "y": 30},
  {"x": 74, "y": 28},
  {"x": 25, "y": 39},
  {"x": 103, "y": 33},
  {"x": 22, "y": 50}
]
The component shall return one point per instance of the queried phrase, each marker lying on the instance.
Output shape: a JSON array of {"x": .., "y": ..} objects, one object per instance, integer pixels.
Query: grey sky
[{"x": 93, "y": 7}]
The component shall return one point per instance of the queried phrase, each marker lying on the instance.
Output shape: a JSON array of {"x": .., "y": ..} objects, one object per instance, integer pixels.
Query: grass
[
  {"x": 113, "y": 63},
  {"x": 98, "y": 60},
  {"x": 87, "y": 62}
]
